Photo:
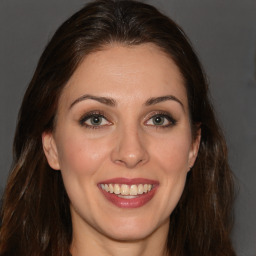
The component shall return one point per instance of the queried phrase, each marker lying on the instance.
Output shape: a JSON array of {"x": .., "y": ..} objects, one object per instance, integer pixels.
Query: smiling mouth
[{"x": 127, "y": 191}]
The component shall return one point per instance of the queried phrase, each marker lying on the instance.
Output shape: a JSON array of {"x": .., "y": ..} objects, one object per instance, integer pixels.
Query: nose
[{"x": 130, "y": 149}]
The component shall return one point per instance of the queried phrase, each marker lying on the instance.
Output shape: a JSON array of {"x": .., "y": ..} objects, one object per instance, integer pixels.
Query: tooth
[
  {"x": 140, "y": 189},
  {"x": 106, "y": 187},
  {"x": 127, "y": 197},
  {"x": 125, "y": 189},
  {"x": 111, "y": 189},
  {"x": 116, "y": 189},
  {"x": 133, "y": 190}
]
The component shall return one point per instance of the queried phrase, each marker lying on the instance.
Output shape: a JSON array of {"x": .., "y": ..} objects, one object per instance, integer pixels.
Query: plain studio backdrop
[{"x": 223, "y": 33}]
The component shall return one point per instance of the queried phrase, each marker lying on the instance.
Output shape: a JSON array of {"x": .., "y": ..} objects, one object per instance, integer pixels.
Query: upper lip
[{"x": 121, "y": 180}]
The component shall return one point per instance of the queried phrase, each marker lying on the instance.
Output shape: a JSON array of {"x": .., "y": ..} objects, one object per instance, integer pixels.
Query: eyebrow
[
  {"x": 104, "y": 100},
  {"x": 153, "y": 101},
  {"x": 111, "y": 102}
]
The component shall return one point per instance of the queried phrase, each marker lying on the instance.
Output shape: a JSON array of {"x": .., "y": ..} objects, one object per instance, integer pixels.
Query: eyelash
[
  {"x": 167, "y": 116},
  {"x": 90, "y": 115},
  {"x": 100, "y": 114}
]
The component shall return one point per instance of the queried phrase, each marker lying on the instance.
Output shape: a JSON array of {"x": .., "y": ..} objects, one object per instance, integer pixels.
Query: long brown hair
[{"x": 35, "y": 214}]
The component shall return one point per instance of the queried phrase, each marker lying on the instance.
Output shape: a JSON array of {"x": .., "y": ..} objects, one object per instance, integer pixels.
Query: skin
[{"x": 126, "y": 144}]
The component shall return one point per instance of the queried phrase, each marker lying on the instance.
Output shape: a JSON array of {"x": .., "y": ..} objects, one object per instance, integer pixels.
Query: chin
[
  {"x": 130, "y": 235},
  {"x": 133, "y": 230}
]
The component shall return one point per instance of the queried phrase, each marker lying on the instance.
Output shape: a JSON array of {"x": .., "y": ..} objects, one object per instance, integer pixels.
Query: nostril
[
  {"x": 130, "y": 162},
  {"x": 130, "y": 149}
]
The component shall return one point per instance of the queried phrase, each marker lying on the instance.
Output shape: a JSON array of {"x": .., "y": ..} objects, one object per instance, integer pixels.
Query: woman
[{"x": 117, "y": 150}]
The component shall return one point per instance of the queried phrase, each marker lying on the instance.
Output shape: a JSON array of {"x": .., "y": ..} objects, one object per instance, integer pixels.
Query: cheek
[
  {"x": 172, "y": 154},
  {"x": 80, "y": 161},
  {"x": 172, "y": 157},
  {"x": 81, "y": 156}
]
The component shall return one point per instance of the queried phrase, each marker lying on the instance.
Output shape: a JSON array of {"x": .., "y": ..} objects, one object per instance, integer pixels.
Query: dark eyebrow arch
[
  {"x": 153, "y": 101},
  {"x": 104, "y": 100}
]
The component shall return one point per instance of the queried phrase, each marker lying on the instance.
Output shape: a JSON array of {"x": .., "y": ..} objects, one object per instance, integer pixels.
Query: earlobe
[
  {"x": 194, "y": 149},
  {"x": 50, "y": 150}
]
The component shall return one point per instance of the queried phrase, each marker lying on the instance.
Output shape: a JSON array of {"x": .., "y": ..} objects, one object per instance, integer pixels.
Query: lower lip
[{"x": 139, "y": 201}]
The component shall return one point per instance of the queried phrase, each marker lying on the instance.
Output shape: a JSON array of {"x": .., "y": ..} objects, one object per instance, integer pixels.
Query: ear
[
  {"x": 194, "y": 149},
  {"x": 50, "y": 150}
]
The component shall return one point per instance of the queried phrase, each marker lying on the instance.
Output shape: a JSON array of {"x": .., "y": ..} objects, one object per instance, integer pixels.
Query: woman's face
[{"x": 123, "y": 142}]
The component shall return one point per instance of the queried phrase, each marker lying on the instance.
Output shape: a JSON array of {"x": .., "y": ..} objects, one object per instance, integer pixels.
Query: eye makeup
[
  {"x": 98, "y": 119},
  {"x": 94, "y": 120},
  {"x": 161, "y": 119}
]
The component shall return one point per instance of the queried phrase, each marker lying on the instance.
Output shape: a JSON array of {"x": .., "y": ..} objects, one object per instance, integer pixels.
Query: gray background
[{"x": 223, "y": 33}]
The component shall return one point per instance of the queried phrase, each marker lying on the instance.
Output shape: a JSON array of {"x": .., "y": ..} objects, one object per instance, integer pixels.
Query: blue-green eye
[
  {"x": 94, "y": 120},
  {"x": 161, "y": 120}
]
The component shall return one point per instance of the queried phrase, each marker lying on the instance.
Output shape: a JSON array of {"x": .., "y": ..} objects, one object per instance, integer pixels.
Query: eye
[
  {"x": 94, "y": 120},
  {"x": 161, "y": 120}
]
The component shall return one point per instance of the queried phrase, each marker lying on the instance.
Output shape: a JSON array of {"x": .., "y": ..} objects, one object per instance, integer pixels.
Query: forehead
[{"x": 126, "y": 73}]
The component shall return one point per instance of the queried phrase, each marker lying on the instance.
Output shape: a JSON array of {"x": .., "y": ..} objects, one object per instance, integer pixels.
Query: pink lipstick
[{"x": 128, "y": 193}]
